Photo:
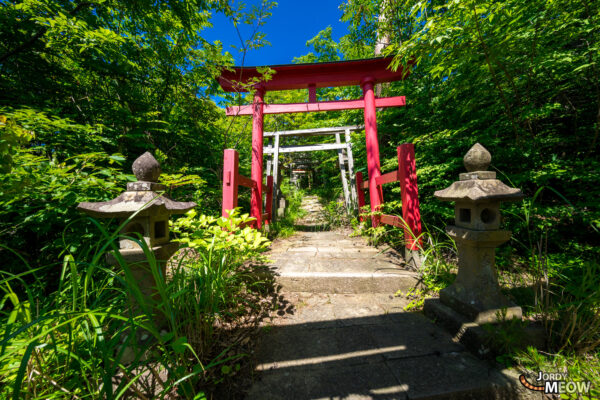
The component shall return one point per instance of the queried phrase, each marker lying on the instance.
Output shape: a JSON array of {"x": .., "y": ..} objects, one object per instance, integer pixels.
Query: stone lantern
[
  {"x": 475, "y": 293},
  {"x": 150, "y": 222}
]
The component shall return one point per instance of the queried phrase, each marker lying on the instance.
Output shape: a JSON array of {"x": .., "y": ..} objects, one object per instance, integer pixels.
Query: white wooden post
[
  {"x": 351, "y": 167},
  {"x": 269, "y": 157},
  {"x": 343, "y": 172},
  {"x": 276, "y": 193}
]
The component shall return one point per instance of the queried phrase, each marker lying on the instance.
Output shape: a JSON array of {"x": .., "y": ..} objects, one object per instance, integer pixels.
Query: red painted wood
[
  {"x": 373, "y": 166},
  {"x": 398, "y": 101},
  {"x": 391, "y": 220},
  {"x": 312, "y": 93},
  {"x": 230, "y": 181},
  {"x": 410, "y": 195},
  {"x": 300, "y": 76},
  {"x": 246, "y": 182},
  {"x": 269, "y": 198},
  {"x": 393, "y": 176},
  {"x": 245, "y": 224},
  {"x": 257, "y": 157},
  {"x": 360, "y": 192},
  {"x": 265, "y": 217}
]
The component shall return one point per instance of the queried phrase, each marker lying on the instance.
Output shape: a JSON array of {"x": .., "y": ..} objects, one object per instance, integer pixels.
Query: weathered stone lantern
[
  {"x": 475, "y": 293},
  {"x": 150, "y": 222}
]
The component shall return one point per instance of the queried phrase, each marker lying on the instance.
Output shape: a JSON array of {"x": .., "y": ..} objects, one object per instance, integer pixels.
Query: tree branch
[{"x": 486, "y": 52}]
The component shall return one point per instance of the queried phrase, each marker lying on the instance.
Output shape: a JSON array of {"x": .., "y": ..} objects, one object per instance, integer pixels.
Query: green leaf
[{"x": 179, "y": 345}]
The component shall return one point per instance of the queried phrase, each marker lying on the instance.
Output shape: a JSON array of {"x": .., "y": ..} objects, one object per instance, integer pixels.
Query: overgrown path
[{"x": 344, "y": 335}]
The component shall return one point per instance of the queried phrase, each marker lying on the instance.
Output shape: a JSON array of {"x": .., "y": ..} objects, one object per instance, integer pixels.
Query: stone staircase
[
  {"x": 344, "y": 335},
  {"x": 333, "y": 262}
]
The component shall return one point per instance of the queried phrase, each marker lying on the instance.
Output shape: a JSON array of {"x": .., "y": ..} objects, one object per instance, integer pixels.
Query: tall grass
[
  {"x": 565, "y": 286},
  {"x": 99, "y": 336}
]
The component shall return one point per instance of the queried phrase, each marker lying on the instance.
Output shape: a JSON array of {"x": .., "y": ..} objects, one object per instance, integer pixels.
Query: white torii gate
[{"x": 344, "y": 151}]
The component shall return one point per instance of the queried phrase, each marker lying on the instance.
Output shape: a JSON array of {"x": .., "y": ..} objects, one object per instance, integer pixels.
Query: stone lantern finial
[
  {"x": 146, "y": 168},
  {"x": 477, "y": 158}
]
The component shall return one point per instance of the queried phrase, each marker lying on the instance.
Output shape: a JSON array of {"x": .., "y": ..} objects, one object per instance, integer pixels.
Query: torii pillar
[
  {"x": 257, "y": 154},
  {"x": 372, "y": 143}
]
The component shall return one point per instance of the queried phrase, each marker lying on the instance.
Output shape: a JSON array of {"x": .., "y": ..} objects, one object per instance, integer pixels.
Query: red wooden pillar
[
  {"x": 230, "y": 181},
  {"x": 257, "y": 156},
  {"x": 410, "y": 195},
  {"x": 373, "y": 165},
  {"x": 361, "y": 193}
]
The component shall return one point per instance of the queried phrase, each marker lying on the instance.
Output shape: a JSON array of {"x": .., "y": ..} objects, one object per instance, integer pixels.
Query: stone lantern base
[
  {"x": 496, "y": 307},
  {"x": 475, "y": 293},
  {"x": 137, "y": 262}
]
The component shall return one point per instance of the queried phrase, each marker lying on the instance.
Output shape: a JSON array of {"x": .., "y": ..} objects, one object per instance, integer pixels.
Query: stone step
[
  {"x": 365, "y": 346},
  {"x": 347, "y": 281}
]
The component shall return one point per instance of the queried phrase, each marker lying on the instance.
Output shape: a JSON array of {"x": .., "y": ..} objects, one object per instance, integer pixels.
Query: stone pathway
[
  {"x": 314, "y": 218},
  {"x": 343, "y": 335}
]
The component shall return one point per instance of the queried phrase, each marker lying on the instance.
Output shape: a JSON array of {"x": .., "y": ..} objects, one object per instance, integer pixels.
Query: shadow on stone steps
[
  {"x": 311, "y": 228},
  {"x": 390, "y": 356}
]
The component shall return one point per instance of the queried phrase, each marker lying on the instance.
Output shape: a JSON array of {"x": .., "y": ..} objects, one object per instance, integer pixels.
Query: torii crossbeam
[{"x": 365, "y": 73}]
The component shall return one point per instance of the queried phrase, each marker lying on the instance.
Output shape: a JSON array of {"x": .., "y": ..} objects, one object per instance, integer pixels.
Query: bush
[{"x": 38, "y": 201}]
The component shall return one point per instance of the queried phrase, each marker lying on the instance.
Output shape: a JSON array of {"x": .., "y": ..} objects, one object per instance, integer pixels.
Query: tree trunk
[{"x": 383, "y": 38}]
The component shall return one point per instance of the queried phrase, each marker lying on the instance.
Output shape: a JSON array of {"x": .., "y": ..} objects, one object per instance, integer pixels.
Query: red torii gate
[{"x": 365, "y": 73}]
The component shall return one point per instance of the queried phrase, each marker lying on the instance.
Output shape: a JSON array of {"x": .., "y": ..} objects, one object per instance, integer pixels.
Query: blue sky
[{"x": 292, "y": 24}]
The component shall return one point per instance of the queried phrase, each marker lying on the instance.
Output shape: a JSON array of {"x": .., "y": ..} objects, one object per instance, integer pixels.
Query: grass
[{"x": 100, "y": 335}]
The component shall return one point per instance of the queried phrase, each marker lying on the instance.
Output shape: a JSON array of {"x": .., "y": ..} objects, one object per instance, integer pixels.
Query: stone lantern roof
[
  {"x": 140, "y": 195},
  {"x": 478, "y": 184}
]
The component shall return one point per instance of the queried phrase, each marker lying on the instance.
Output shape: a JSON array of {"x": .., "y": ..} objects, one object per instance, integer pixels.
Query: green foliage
[
  {"x": 38, "y": 199},
  {"x": 375, "y": 235},
  {"x": 84, "y": 85},
  {"x": 186, "y": 187},
  {"x": 506, "y": 336},
  {"x": 128, "y": 70},
  {"x": 571, "y": 310},
  {"x": 95, "y": 338},
  {"x": 218, "y": 270},
  {"x": 223, "y": 235},
  {"x": 284, "y": 225},
  {"x": 336, "y": 215},
  {"x": 12, "y": 137},
  {"x": 325, "y": 47},
  {"x": 416, "y": 296},
  {"x": 522, "y": 78}
]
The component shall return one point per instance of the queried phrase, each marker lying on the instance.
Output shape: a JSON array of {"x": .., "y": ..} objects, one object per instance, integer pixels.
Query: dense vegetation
[{"x": 85, "y": 87}]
